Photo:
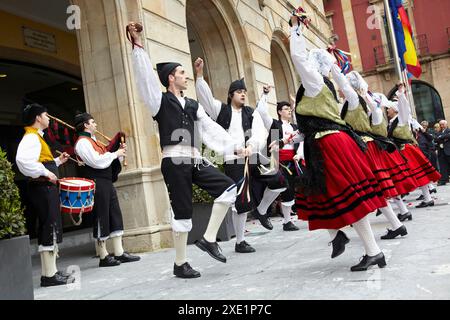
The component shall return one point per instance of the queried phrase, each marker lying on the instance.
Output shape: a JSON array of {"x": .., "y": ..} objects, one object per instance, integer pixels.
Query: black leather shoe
[
  {"x": 420, "y": 198},
  {"x": 404, "y": 217},
  {"x": 264, "y": 219},
  {"x": 126, "y": 257},
  {"x": 339, "y": 243},
  {"x": 212, "y": 248},
  {"x": 64, "y": 274},
  {"x": 434, "y": 190},
  {"x": 185, "y": 271},
  {"x": 56, "y": 280},
  {"x": 379, "y": 213},
  {"x": 244, "y": 247},
  {"x": 367, "y": 261},
  {"x": 109, "y": 261},
  {"x": 394, "y": 234},
  {"x": 424, "y": 204},
  {"x": 290, "y": 226}
]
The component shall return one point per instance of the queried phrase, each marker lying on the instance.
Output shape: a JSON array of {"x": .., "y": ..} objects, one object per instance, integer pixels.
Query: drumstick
[{"x": 80, "y": 163}]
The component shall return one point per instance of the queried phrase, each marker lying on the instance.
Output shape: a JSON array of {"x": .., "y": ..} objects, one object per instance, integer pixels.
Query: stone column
[{"x": 112, "y": 98}]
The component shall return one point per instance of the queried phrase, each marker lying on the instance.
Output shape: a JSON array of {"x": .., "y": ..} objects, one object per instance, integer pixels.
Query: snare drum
[{"x": 76, "y": 195}]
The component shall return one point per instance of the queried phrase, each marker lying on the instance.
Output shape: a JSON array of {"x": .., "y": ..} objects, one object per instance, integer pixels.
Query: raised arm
[
  {"x": 350, "y": 94},
  {"x": 205, "y": 96},
  {"x": 146, "y": 80},
  {"x": 312, "y": 80},
  {"x": 377, "y": 113},
  {"x": 404, "y": 110},
  {"x": 258, "y": 140},
  {"x": 263, "y": 110}
]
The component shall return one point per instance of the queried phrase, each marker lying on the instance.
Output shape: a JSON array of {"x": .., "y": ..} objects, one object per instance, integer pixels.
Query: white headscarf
[
  {"x": 321, "y": 60},
  {"x": 357, "y": 82}
]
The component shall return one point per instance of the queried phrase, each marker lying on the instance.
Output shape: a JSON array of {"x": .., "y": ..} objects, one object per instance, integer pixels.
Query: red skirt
[
  {"x": 421, "y": 170},
  {"x": 352, "y": 189},
  {"x": 391, "y": 171}
]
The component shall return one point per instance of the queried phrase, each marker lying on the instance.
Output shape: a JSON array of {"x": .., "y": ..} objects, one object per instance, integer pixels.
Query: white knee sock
[
  {"x": 180, "y": 242},
  {"x": 48, "y": 262},
  {"x": 218, "y": 213},
  {"x": 117, "y": 246},
  {"x": 431, "y": 186},
  {"x": 101, "y": 249},
  {"x": 362, "y": 227},
  {"x": 426, "y": 193},
  {"x": 286, "y": 210},
  {"x": 401, "y": 205},
  {"x": 268, "y": 198},
  {"x": 239, "y": 221},
  {"x": 333, "y": 233},
  {"x": 388, "y": 212}
]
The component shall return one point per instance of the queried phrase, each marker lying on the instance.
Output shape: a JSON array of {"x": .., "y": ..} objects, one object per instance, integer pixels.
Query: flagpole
[{"x": 387, "y": 9}]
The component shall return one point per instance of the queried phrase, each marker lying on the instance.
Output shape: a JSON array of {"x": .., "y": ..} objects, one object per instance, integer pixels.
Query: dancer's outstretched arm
[
  {"x": 204, "y": 94},
  {"x": 350, "y": 94}
]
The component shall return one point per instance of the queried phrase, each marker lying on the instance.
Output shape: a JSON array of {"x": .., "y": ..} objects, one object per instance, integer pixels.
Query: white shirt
[
  {"x": 211, "y": 134},
  {"x": 312, "y": 80},
  {"x": 404, "y": 111},
  {"x": 91, "y": 157},
  {"x": 350, "y": 94},
  {"x": 28, "y": 154},
  {"x": 213, "y": 107}
]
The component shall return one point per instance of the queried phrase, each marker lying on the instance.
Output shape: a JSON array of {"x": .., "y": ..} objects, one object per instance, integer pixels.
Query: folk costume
[
  {"x": 338, "y": 187},
  {"x": 108, "y": 221},
  {"x": 246, "y": 127},
  {"x": 35, "y": 161},
  {"x": 183, "y": 126}
]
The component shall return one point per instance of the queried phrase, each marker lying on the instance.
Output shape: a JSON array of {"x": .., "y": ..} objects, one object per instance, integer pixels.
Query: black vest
[
  {"x": 177, "y": 125},
  {"x": 91, "y": 173},
  {"x": 224, "y": 119},
  {"x": 277, "y": 125},
  {"x": 52, "y": 167}
]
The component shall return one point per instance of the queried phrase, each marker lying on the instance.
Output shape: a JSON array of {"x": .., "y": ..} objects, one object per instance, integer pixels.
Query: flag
[
  {"x": 410, "y": 56},
  {"x": 403, "y": 36}
]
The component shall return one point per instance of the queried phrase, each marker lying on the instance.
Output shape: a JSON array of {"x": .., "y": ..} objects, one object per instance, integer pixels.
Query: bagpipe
[{"x": 112, "y": 145}]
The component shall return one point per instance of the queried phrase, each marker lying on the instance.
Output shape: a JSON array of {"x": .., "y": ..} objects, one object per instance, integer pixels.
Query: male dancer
[
  {"x": 108, "y": 222},
  {"x": 183, "y": 125},
  {"x": 290, "y": 153},
  {"x": 247, "y": 130},
  {"x": 35, "y": 160}
]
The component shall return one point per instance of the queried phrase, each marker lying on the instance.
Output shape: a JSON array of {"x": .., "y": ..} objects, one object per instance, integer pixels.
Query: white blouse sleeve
[
  {"x": 213, "y": 135},
  {"x": 27, "y": 157},
  {"x": 92, "y": 158},
  {"x": 258, "y": 140},
  {"x": 211, "y": 105},
  {"x": 404, "y": 111},
  {"x": 146, "y": 80},
  {"x": 377, "y": 113},
  {"x": 312, "y": 80},
  {"x": 344, "y": 85},
  {"x": 263, "y": 111}
]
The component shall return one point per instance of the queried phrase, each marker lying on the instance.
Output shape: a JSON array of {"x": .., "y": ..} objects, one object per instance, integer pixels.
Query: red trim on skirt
[
  {"x": 287, "y": 155},
  {"x": 421, "y": 169},
  {"x": 352, "y": 189},
  {"x": 391, "y": 171}
]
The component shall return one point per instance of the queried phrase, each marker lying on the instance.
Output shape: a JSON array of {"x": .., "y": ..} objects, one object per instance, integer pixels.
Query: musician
[
  {"x": 35, "y": 160},
  {"x": 108, "y": 222}
]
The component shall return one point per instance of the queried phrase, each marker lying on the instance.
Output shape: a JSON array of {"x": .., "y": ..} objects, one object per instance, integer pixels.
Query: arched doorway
[
  {"x": 215, "y": 35},
  {"x": 427, "y": 100},
  {"x": 282, "y": 67}
]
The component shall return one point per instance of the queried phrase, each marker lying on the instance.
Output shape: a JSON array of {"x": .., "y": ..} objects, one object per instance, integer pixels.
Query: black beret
[
  {"x": 237, "y": 85},
  {"x": 82, "y": 118},
  {"x": 31, "y": 111},
  {"x": 164, "y": 70}
]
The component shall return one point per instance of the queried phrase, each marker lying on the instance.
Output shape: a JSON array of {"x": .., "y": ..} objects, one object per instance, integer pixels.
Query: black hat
[
  {"x": 81, "y": 119},
  {"x": 237, "y": 85},
  {"x": 164, "y": 70},
  {"x": 31, "y": 111}
]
